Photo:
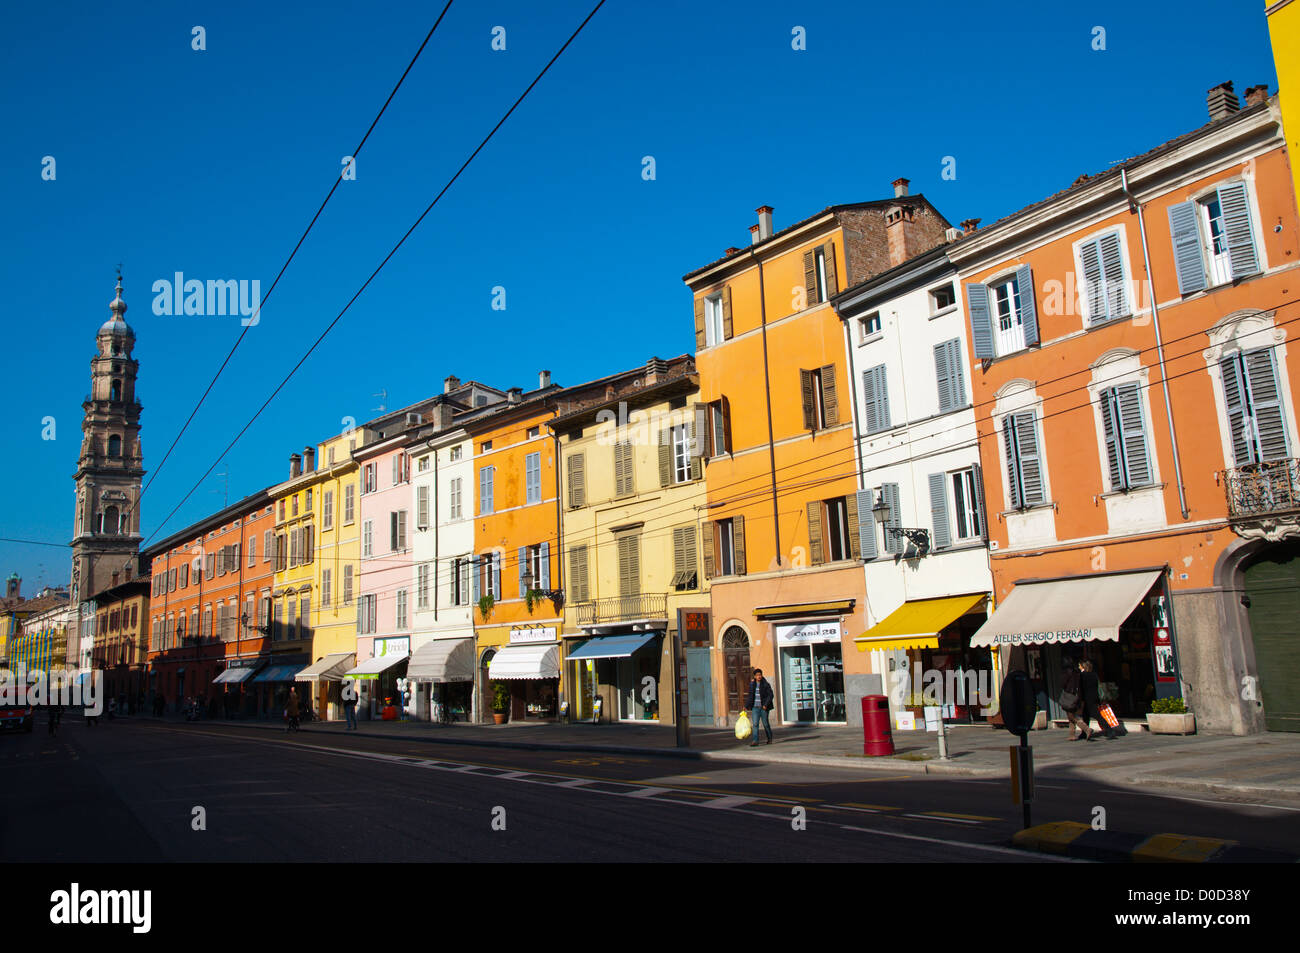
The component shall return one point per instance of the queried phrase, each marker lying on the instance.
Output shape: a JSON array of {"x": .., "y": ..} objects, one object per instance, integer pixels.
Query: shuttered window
[
  {"x": 577, "y": 476},
  {"x": 629, "y": 565},
  {"x": 1124, "y": 432},
  {"x": 533, "y": 478},
  {"x": 951, "y": 377},
  {"x": 347, "y": 584},
  {"x": 624, "y": 476},
  {"x": 1024, "y": 460},
  {"x": 820, "y": 280},
  {"x": 485, "y": 478},
  {"x": 864, "y": 500},
  {"x": 893, "y": 519},
  {"x": 454, "y": 497},
  {"x": 422, "y": 586},
  {"x": 939, "y": 510},
  {"x": 820, "y": 398},
  {"x": 579, "y": 590},
  {"x": 326, "y": 586},
  {"x": 1104, "y": 282},
  {"x": 1256, "y": 424},
  {"x": 685, "y": 563},
  {"x": 349, "y": 503},
  {"x": 875, "y": 397},
  {"x": 368, "y": 538},
  {"x": 421, "y": 507},
  {"x": 1213, "y": 238}
]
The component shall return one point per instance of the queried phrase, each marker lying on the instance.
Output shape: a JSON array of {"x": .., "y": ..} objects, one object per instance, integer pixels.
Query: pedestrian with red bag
[{"x": 1090, "y": 691}]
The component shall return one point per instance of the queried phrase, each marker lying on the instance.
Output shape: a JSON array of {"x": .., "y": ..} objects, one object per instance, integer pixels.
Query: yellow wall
[
  {"x": 1284, "y": 31},
  {"x": 337, "y": 547}
]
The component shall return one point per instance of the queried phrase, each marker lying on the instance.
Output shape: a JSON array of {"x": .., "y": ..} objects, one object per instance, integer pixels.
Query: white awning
[
  {"x": 1083, "y": 609},
  {"x": 525, "y": 661},
  {"x": 372, "y": 667},
  {"x": 328, "y": 669},
  {"x": 235, "y": 675},
  {"x": 443, "y": 660}
]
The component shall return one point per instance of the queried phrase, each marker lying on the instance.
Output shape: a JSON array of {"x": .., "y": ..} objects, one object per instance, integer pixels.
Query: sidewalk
[{"x": 1265, "y": 766}]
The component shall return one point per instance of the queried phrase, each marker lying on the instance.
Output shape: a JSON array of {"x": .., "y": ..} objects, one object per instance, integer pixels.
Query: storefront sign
[
  {"x": 807, "y": 632},
  {"x": 533, "y": 634},
  {"x": 1166, "y": 671},
  {"x": 385, "y": 647},
  {"x": 1044, "y": 638},
  {"x": 695, "y": 626}
]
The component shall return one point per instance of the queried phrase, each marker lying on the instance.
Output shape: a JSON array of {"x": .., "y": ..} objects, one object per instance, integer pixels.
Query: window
[
  {"x": 485, "y": 446},
  {"x": 713, "y": 320},
  {"x": 942, "y": 298},
  {"x": 307, "y": 506},
  {"x": 349, "y": 504},
  {"x": 875, "y": 399},
  {"x": 455, "y": 453},
  {"x": 304, "y": 616},
  {"x": 533, "y": 477},
  {"x": 951, "y": 378},
  {"x": 1003, "y": 315},
  {"x": 1124, "y": 431},
  {"x": 1213, "y": 238},
  {"x": 729, "y": 558},
  {"x": 397, "y": 531},
  {"x": 460, "y": 580},
  {"x": 833, "y": 530},
  {"x": 401, "y": 468},
  {"x": 206, "y": 632},
  {"x": 368, "y": 538},
  {"x": 366, "y": 614},
  {"x": 282, "y": 511},
  {"x": 485, "y": 478},
  {"x": 115, "y": 389},
  {"x": 579, "y": 583},
  {"x": 1103, "y": 283},
  {"x": 719, "y": 424},
  {"x": 209, "y": 565},
  {"x": 819, "y": 273},
  {"x": 1256, "y": 426},
  {"x": 820, "y": 404},
  {"x": 251, "y": 547},
  {"x": 868, "y": 326},
  {"x": 423, "y": 464},
  {"x": 1024, "y": 460},
  {"x": 685, "y": 565},
  {"x": 347, "y": 584},
  {"x": 266, "y": 546},
  {"x": 535, "y": 562},
  {"x": 422, "y": 586},
  {"x": 401, "y": 606},
  {"x": 681, "y": 446},
  {"x": 291, "y": 611},
  {"x": 454, "y": 510},
  {"x": 421, "y": 507},
  {"x": 532, "y": 432},
  {"x": 326, "y": 586},
  {"x": 114, "y": 446},
  {"x": 629, "y": 566},
  {"x": 295, "y": 504},
  {"x": 327, "y": 510},
  {"x": 576, "y": 467},
  {"x": 967, "y": 508},
  {"x": 624, "y": 472},
  {"x": 487, "y": 576},
  {"x": 368, "y": 478},
  {"x": 185, "y": 575}
]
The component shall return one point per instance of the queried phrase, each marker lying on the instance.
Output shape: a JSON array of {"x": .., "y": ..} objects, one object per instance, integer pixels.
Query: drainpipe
[
  {"x": 1136, "y": 208},
  {"x": 853, "y": 392},
  {"x": 767, "y": 390}
]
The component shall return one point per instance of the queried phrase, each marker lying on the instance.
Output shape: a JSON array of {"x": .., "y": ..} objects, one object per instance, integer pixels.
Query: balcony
[
  {"x": 1263, "y": 489},
  {"x": 623, "y": 609}
]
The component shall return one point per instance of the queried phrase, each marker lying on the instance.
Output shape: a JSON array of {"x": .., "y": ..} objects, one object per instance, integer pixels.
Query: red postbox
[{"x": 877, "y": 737}]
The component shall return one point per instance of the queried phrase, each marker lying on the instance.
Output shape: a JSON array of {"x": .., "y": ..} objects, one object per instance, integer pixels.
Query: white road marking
[{"x": 730, "y": 800}]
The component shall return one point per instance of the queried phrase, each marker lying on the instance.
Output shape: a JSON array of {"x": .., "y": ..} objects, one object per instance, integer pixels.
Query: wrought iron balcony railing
[
  {"x": 1260, "y": 489},
  {"x": 623, "y": 609}
]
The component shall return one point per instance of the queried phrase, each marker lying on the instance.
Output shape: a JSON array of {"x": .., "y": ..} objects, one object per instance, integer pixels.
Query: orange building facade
[
  {"x": 1134, "y": 384},
  {"x": 781, "y": 537}
]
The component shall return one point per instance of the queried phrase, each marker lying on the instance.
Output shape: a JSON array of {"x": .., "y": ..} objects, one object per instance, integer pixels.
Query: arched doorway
[
  {"x": 1272, "y": 584},
  {"x": 735, "y": 656}
]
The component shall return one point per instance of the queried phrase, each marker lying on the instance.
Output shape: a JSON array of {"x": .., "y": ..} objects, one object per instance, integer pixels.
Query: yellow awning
[
  {"x": 917, "y": 624},
  {"x": 841, "y": 606}
]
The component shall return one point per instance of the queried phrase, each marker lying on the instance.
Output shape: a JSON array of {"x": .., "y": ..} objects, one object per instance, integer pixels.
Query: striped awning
[
  {"x": 525, "y": 661},
  {"x": 443, "y": 660}
]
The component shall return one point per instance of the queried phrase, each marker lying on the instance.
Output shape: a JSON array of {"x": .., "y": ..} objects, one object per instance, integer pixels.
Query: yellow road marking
[
  {"x": 872, "y": 807},
  {"x": 968, "y": 817}
]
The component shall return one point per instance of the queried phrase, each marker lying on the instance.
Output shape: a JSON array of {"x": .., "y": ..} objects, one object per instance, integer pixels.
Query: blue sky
[{"x": 210, "y": 163}]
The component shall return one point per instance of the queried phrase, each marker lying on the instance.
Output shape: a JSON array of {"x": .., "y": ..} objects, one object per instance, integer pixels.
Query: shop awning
[
  {"x": 277, "y": 673},
  {"x": 837, "y": 607},
  {"x": 232, "y": 675},
  {"x": 1081, "y": 609},
  {"x": 328, "y": 669},
  {"x": 613, "y": 646},
  {"x": 372, "y": 667},
  {"x": 525, "y": 661},
  {"x": 443, "y": 660},
  {"x": 916, "y": 624}
]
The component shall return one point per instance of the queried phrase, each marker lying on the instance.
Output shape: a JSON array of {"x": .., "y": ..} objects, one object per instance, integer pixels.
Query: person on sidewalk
[
  {"x": 1072, "y": 701},
  {"x": 1090, "y": 692},
  {"x": 350, "y": 706},
  {"x": 758, "y": 699}
]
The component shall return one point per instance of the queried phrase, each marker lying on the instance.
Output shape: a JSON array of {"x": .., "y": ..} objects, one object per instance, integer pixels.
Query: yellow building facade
[{"x": 1284, "y": 32}]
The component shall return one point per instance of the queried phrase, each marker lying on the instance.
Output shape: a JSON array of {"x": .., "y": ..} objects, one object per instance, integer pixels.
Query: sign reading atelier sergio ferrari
[{"x": 1043, "y": 638}]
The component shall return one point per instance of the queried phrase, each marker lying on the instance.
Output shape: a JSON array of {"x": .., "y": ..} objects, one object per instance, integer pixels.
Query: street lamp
[{"x": 918, "y": 538}]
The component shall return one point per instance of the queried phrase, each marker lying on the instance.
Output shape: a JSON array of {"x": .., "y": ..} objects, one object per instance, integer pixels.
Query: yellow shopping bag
[{"x": 743, "y": 728}]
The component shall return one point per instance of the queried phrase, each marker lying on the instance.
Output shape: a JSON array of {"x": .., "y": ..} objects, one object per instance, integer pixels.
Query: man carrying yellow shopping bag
[{"x": 758, "y": 699}]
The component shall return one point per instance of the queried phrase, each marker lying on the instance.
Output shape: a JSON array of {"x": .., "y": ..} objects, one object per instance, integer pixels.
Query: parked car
[{"x": 17, "y": 718}]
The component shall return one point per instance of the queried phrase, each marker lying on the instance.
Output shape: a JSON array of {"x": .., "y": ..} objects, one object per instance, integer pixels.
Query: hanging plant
[
  {"x": 532, "y": 598},
  {"x": 485, "y": 605}
]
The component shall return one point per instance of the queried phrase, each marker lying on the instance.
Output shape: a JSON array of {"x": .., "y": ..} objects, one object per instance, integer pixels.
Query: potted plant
[
  {"x": 500, "y": 702},
  {"x": 485, "y": 604},
  {"x": 1169, "y": 716}
]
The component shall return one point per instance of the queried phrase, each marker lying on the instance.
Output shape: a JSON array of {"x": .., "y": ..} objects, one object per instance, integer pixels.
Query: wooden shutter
[
  {"x": 738, "y": 529},
  {"x": 421, "y": 507},
  {"x": 830, "y": 399},
  {"x": 809, "y": 396},
  {"x": 1093, "y": 289},
  {"x": 726, "y": 313},
  {"x": 1237, "y": 229},
  {"x": 981, "y": 320},
  {"x": 695, "y": 446},
  {"x": 875, "y": 393},
  {"x": 1234, "y": 391},
  {"x": 1013, "y": 467},
  {"x": 699, "y": 324},
  {"x": 1112, "y": 267},
  {"x": 629, "y": 565},
  {"x": 577, "y": 464},
  {"x": 1110, "y": 433},
  {"x": 1030, "y": 459},
  {"x": 851, "y": 524},
  {"x": 816, "y": 545},
  {"x": 401, "y": 532},
  {"x": 832, "y": 285},
  {"x": 889, "y": 493},
  {"x": 666, "y": 456},
  {"x": 724, "y": 406},
  {"x": 1133, "y": 431},
  {"x": 1266, "y": 403},
  {"x": 578, "y": 573},
  {"x": 311, "y": 540},
  {"x": 624, "y": 484},
  {"x": 710, "y": 540},
  {"x": 1185, "y": 232},
  {"x": 1028, "y": 308},
  {"x": 939, "y": 510},
  {"x": 810, "y": 276},
  {"x": 943, "y": 377},
  {"x": 866, "y": 524}
]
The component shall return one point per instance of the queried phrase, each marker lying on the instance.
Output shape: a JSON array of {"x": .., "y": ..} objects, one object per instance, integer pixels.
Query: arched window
[
  {"x": 111, "y": 521},
  {"x": 735, "y": 638},
  {"x": 115, "y": 391},
  {"x": 114, "y": 446}
]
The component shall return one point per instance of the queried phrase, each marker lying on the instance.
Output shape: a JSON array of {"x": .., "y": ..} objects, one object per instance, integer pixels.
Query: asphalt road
[{"x": 130, "y": 791}]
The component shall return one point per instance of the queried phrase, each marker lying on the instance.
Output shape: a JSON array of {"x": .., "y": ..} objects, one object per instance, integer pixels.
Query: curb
[{"x": 1073, "y": 839}]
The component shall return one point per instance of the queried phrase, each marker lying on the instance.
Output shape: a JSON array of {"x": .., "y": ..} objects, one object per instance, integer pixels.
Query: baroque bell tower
[{"x": 106, "y": 525}]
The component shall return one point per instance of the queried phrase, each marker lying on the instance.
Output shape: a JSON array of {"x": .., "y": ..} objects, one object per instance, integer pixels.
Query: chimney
[
  {"x": 733, "y": 250},
  {"x": 309, "y": 459},
  {"x": 450, "y": 383},
  {"x": 655, "y": 369},
  {"x": 543, "y": 380},
  {"x": 1256, "y": 95},
  {"x": 1222, "y": 101},
  {"x": 754, "y": 237},
  {"x": 899, "y": 231},
  {"x": 295, "y": 465},
  {"x": 900, "y": 188},
  {"x": 969, "y": 225},
  {"x": 442, "y": 415},
  {"x": 514, "y": 394},
  {"x": 764, "y": 221}
]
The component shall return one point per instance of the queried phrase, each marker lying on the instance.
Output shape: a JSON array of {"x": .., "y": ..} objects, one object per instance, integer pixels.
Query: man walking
[
  {"x": 350, "y": 704},
  {"x": 758, "y": 699}
]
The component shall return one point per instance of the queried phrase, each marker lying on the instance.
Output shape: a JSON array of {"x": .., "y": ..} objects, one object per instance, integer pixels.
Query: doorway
[
  {"x": 1273, "y": 588},
  {"x": 738, "y": 667}
]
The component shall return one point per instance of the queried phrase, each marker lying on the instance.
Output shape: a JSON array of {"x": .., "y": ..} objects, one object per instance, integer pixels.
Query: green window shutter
[
  {"x": 981, "y": 320},
  {"x": 876, "y": 396},
  {"x": 979, "y": 492},
  {"x": 523, "y": 566},
  {"x": 939, "y": 510},
  {"x": 700, "y": 342},
  {"x": 1028, "y": 309},
  {"x": 816, "y": 547},
  {"x": 738, "y": 526},
  {"x": 629, "y": 565},
  {"x": 666, "y": 456},
  {"x": 694, "y": 447},
  {"x": 1112, "y": 267},
  {"x": 889, "y": 493},
  {"x": 1237, "y": 228},
  {"x": 545, "y": 560},
  {"x": 726, "y": 313},
  {"x": 679, "y": 556},
  {"x": 496, "y": 574},
  {"x": 1013, "y": 464},
  {"x": 1093, "y": 289},
  {"x": 1266, "y": 404},
  {"x": 1185, "y": 232},
  {"x": 1234, "y": 394},
  {"x": 1110, "y": 432},
  {"x": 943, "y": 377},
  {"x": 1030, "y": 459},
  {"x": 830, "y": 397},
  {"x": 866, "y": 524},
  {"x": 1133, "y": 433}
]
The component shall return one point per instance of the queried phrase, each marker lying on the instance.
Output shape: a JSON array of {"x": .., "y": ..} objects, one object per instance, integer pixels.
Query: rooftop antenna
[
  {"x": 225, "y": 491},
  {"x": 383, "y": 396}
]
